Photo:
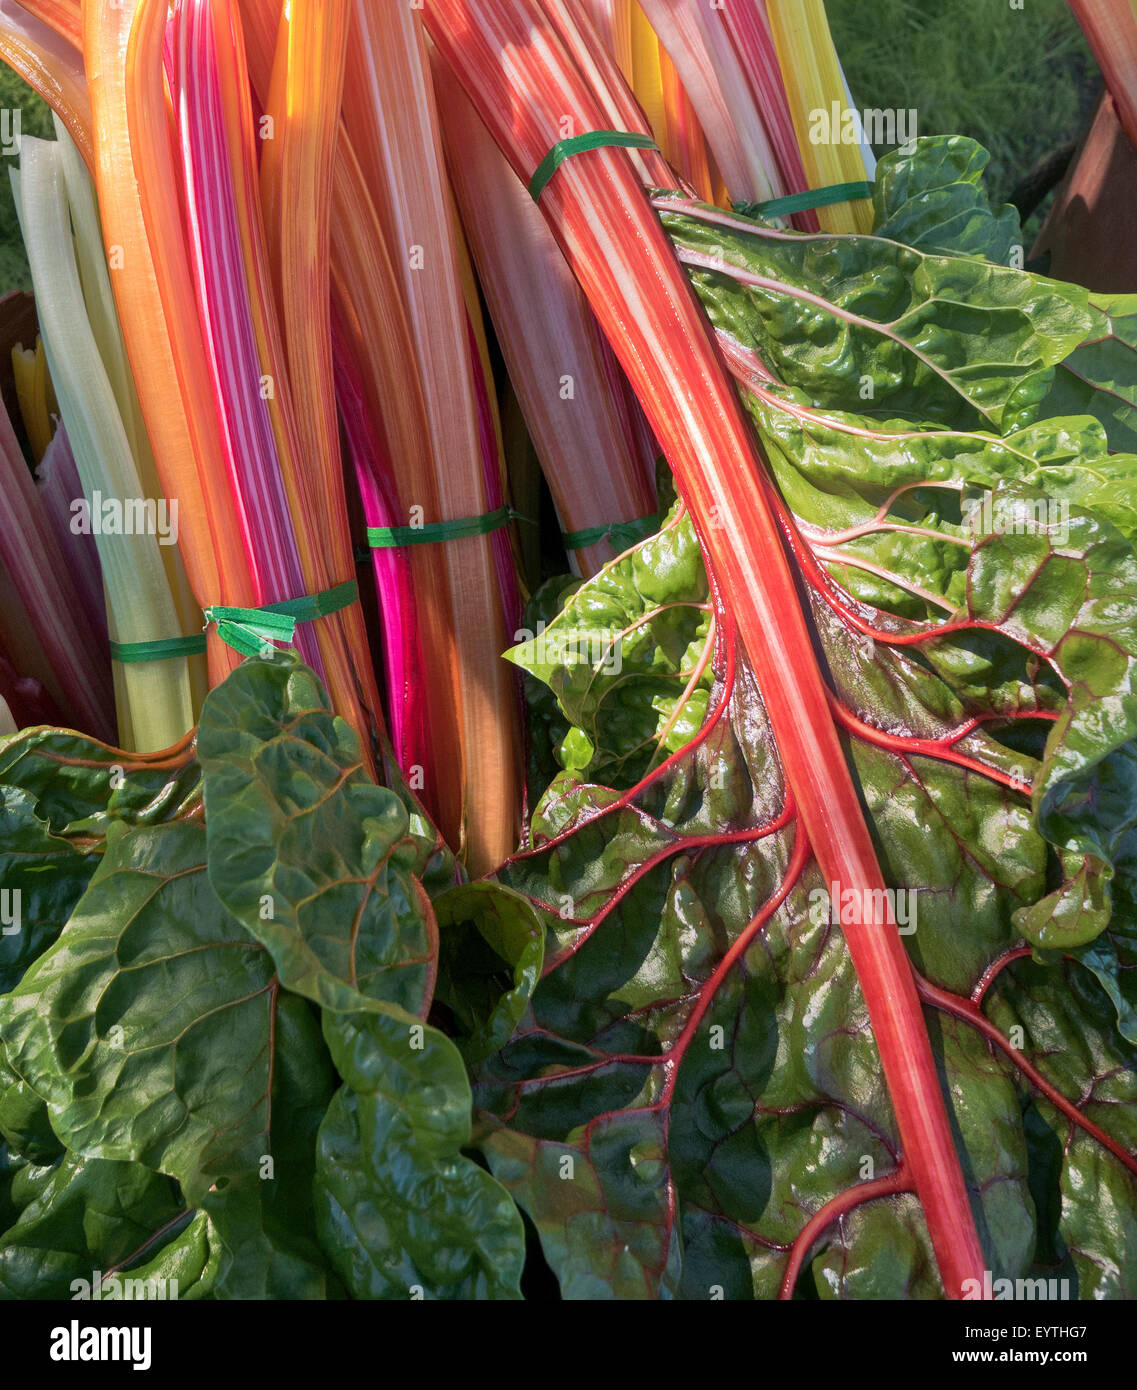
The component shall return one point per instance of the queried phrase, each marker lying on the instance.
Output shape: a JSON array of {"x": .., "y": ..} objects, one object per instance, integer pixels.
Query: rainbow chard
[
  {"x": 132, "y": 903},
  {"x": 775, "y": 931}
]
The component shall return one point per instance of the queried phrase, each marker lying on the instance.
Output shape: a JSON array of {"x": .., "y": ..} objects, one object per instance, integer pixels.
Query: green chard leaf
[
  {"x": 322, "y": 866},
  {"x": 83, "y": 1217},
  {"x": 59, "y": 793},
  {"x": 155, "y": 1028},
  {"x": 863, "y": 323},
  {"x": 185, "y": 1266},
  {"x": 402, "y": 1213},
  {"x": 694, "y": 1076},
  {"x": 1099, "y": 377},
  {"x": 493, "y": 947},
  {"x": 25, "y": 1125},
  {"x": 932, "y": 198},
  {"x": 620, "y": 656},
  {"x": 263, "y": 1238},
  {"x": 317, "y": 862},
  {"x": 181, "y": 1046},
  {"x": 545, "y": 724}
]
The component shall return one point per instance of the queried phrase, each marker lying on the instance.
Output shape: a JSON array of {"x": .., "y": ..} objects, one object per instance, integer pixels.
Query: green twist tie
[
  {"x": 163, "y": 649},
  {"x": 390, "y": 537},
  {"x": 621, "y": 534},
  {"x": 247, "y": 630},
  {"x": 807, "y": 201},
  {"x": 577, "y": 144}
]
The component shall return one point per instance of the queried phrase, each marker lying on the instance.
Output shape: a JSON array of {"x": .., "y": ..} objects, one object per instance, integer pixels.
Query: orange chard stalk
[
  {"x": 683, "y": 141},
  {"x": 50, "y": 62},
  {"x": 373, "y": 329},
  {"x": 63, "y": 17},
  {"x": 296, "y": 180},
  {"x": 1110, "y": 27},
  {"x": 569, "y": 21},
  {"x": 153, "y": 289},
  {"x": 389, "y": 109}
]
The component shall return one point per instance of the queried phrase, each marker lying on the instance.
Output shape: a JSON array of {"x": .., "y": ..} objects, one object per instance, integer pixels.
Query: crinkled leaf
[
  {"x": 25, "y": 1125},
  {"x": 1099, "y": 378},
  {"x": 932, "y": 198},
  {"x": 545, "y": 724},
  {"x": 401, "y": 1212},
  {"x": 837, "y": 468},
  {"x": 313, "y": 858},
  {"x": 696, "y": 1076},
  {"x": 862, "y": 323},
  {"x": 59, "y": 792},
  {"x": 620, "y": 656},
  {"x": 78, "y": 1216},
  {"x": 492, "y": 949},
  {"x": 1112, "y": 957},
  {"x": 1069, "y": 1031},
  {"x": 154, "y": 1027},
  {"x": 260, "y": 1250},
  {"x": 294, "y": 822},
  {"x": 82, "y": 786},
  {"x": 184, "y": 1267}
]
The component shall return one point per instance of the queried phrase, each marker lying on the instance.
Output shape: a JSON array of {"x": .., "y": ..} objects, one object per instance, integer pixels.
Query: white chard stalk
[{"x": 155, "y": 697}]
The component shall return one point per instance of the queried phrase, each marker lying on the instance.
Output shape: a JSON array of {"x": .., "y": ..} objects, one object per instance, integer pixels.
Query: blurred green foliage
[
  {"x": 35, "y": 119},
  {"x": 1020, "y": 81}
]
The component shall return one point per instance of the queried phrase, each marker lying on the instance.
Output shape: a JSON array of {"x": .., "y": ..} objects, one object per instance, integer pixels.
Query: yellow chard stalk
[{"x": 814, "y": 82}]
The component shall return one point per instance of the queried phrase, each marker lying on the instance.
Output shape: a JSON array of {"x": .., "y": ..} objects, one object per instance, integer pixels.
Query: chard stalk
[
  {"x": 631, "y": 276},
  {"x": 158, "y": 706}
]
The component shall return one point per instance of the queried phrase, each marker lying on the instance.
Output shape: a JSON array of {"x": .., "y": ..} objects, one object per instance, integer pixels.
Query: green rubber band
[
  {"x": 577, "y": 144},
  {"x": 621, "y": 534},
  {"x": 163, "y": 649},
  {"x": 312, "y": 606},
  {"x": 807, "y": 201},
  {"x": 392, "y": 537},
  {"x": 247, "y": 630}
]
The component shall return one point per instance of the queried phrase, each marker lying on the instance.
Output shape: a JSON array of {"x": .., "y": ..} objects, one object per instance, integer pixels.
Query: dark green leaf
[
  {"x": 401, "y": 1212},
  {"x": 24, "y": 1122},
  {"x": 154, "y": 1027},
  {"x": 80, "y": 1216},
  {"x": 620, "y": 658},
  {"x": 492, "y": 948},
  {"x": 313, "y": 858},
  {"x": 864, "y": 323},
  {"x": 59, "y": 792},
  {"x": 690, "y": 1083},
  {"x": 1099, "y": 378}
]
